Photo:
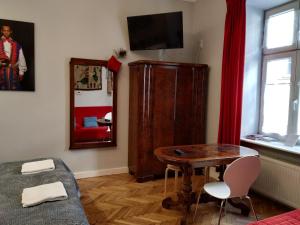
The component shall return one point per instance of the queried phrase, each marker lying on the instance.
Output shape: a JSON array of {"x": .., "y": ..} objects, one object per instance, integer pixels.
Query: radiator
[{"x": 280, "y": 181}]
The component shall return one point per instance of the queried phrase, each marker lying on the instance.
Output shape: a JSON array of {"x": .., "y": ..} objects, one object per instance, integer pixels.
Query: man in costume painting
[{"x": 12, "y": 61}]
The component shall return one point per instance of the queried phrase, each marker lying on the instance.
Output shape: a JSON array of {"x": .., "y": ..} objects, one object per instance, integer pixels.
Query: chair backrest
[{"x": 241, "y": 174}]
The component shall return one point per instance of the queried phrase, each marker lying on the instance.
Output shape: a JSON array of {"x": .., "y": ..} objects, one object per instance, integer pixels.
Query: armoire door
[
  {"x": 184, "y": 107},
  {"x": 191, "y": 94},
  {"x": 200, "y": 89},
  {"x": 163, "y": 109}
]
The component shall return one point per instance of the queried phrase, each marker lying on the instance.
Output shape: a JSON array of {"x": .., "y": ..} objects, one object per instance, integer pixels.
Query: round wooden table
[
  {"x": 195, "y": 156},
  {"x": 103, "y": 122}
]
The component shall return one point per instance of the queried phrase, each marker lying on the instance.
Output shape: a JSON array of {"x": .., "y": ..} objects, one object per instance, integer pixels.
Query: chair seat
[
  {"x": 217, "y": 189},
  {"x": 172, "y": 167}
]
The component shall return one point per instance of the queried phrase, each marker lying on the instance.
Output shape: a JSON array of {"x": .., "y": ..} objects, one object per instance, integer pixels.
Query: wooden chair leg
[
  {"x": 166, "y": 179},
  {"x": 252, "y": 208},
  {"x": 176, "y": 180}
]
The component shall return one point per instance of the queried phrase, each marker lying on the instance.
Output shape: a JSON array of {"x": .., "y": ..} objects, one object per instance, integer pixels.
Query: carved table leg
[
  {"x": 221, "y": 169},
  {"x": 185, "y": 197},
  {"x": 187, "y": 193}
]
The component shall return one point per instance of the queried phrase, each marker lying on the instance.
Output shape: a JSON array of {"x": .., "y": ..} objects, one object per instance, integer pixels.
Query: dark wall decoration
[{"x": 16, "y": 56}]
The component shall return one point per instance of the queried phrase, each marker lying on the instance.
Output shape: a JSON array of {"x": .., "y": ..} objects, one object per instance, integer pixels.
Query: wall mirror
[{"x": 93, "y": 104}]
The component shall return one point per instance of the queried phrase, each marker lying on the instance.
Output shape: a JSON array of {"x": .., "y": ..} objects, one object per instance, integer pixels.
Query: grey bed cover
[{"x": 12, "y": 183}]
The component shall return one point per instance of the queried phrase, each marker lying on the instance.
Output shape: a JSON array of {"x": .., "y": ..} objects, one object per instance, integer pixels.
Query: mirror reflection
[
  {"x": 93, "y": 90},
  {"x": 93, "y": 103}
]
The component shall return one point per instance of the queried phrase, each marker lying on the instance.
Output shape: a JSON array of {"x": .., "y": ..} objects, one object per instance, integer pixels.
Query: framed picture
[
  {"x": 88, "y": 77},
  {"x": 16, "y": 56}
]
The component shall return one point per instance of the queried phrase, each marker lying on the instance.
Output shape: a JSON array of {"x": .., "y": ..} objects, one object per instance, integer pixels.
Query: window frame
[
  {"x": 292, "y": 51},
  {"x": 291, "y": 116},
  {"x": 292, "y": 5}
]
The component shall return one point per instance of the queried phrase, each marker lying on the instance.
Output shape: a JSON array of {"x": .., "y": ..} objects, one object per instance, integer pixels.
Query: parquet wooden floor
[{"x": 119, "y": 200}]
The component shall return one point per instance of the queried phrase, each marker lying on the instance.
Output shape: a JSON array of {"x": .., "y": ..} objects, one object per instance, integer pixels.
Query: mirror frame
[{"x": 91, "y": 144}]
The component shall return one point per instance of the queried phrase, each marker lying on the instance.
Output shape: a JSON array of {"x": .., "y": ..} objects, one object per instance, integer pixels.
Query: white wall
[
  {"x": 36, "y": 124},
  {"x": 209, "y": 22},
  {"x": 252, "y": 76},
  {"x": 94, "y": 98}
]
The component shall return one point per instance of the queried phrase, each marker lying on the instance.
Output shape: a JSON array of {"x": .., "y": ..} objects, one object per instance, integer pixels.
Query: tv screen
[{"x": 158, "y": 31}]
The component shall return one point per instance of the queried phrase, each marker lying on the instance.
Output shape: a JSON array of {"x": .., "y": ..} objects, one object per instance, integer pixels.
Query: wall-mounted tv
[{"x": 157, "y": 31}]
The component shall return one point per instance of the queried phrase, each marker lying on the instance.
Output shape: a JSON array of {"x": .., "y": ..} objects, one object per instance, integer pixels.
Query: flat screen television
[{"x": 157, "y": 31}]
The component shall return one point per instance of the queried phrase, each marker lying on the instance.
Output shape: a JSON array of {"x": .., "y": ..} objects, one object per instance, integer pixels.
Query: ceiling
[
  {"x": 261, "y": 4},
  {"x": 266, "y": 4}
]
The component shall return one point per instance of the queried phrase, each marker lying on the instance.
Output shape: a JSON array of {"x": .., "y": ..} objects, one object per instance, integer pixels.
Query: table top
[
  {"x": 104, "y": 122},
  {"x": 202, "y": 155}
]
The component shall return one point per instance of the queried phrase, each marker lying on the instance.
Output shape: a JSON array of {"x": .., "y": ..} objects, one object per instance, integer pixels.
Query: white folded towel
[
  {"x": 38, "y": 166},
  {"x": 43, "y": 193}
]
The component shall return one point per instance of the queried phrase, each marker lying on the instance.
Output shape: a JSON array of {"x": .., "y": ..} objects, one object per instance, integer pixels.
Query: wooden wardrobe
[{"x": 167, "y": 106}]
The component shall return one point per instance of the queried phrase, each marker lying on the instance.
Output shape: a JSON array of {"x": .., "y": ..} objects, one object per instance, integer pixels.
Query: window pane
[
  {"x": 276, "y": 96},
  {"x": 280, "y": 30}
]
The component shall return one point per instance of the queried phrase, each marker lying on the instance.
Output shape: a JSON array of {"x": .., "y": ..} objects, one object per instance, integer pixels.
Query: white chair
[
  {"x": 238, "y": 178},
  {"x": 108, "y": 116},
  {"x": 177, "y": 169}
]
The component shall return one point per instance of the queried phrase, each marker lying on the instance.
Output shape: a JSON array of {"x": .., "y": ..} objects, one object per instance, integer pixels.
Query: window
[
  {"x": 281, "y": 29},
  {"x": 281, "y": 73}
]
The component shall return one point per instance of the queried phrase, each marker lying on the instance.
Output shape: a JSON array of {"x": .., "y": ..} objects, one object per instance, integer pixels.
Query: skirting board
[{"x": 98, "y": 173}]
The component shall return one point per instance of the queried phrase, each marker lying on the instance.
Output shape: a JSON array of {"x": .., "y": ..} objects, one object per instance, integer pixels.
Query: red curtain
[{"x": 232, "y": 73}]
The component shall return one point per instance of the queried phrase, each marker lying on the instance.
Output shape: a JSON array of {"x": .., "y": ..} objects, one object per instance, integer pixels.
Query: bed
[
  {"x": 12, "y": 183},
  {"x": 289, "y": 218}
]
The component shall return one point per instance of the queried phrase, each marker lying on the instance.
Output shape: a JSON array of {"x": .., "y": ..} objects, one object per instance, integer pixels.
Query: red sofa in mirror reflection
[{"x": 83, "y": 133}]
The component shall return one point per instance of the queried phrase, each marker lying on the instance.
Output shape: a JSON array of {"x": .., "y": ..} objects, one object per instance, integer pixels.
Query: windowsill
[{"x": 275, "y": 145}]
